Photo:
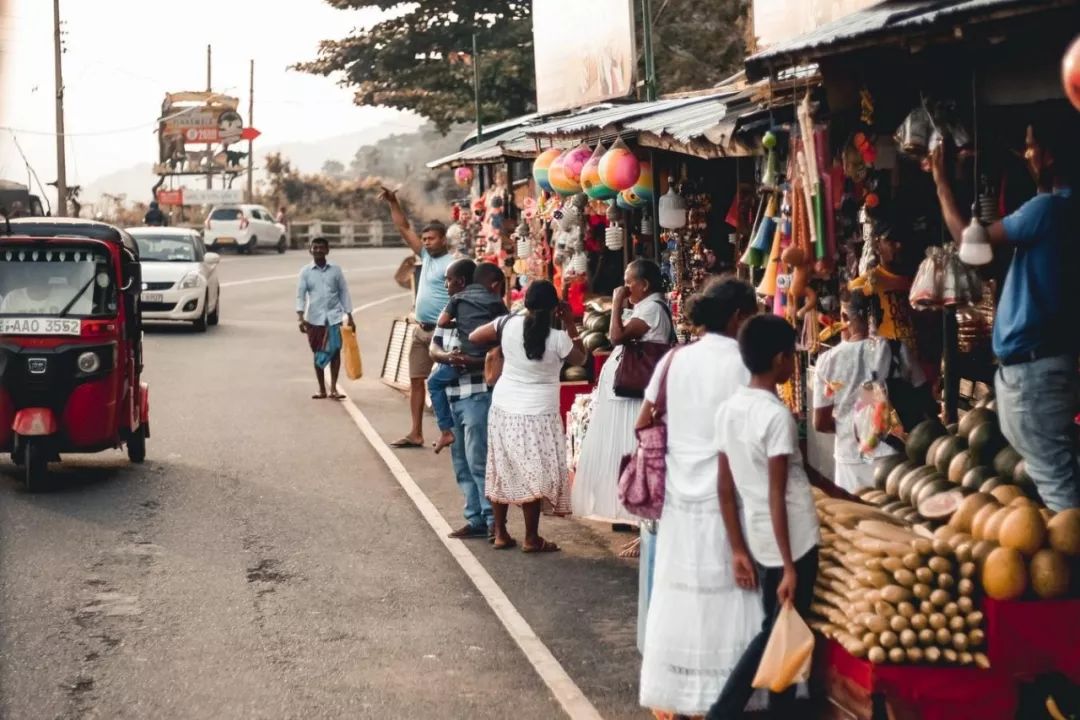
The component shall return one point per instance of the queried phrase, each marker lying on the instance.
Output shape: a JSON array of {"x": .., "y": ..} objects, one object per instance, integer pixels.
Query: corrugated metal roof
[
  {"x": 686, "y": 122},
  {"x": 513, "y": 143},
  {"x": 891, "y": 18},
  {"x": 499, "y": 128},
  {"x": 604, "y": 116}
]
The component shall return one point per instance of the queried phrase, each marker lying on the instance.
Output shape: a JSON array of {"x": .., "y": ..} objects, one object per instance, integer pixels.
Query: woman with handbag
[
  {"x": 642, "y": 331},
  {"x": 699, "y": 621},
  {"x": 526, "y": 461}
]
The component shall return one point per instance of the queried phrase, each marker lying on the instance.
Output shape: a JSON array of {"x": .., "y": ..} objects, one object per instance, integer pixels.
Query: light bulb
[
  {"x": 975, "y": 244},
  {"x": 672, "y": 210}
]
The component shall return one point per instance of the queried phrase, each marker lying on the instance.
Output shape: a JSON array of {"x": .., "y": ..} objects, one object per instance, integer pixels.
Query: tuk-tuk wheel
[
  {"x": 35, "y": 464},
  {"x": 136, "y": 445}
]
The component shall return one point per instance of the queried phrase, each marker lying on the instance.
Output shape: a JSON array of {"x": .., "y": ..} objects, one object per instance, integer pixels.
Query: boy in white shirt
[{"x": 761, "y": 467}]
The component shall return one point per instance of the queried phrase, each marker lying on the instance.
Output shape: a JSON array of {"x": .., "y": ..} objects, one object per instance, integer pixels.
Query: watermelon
[
  {"x": 942, "y": 505},
  {"x": 892, "y": 481},
  {"x": 935, "y": 447},
  {"x": 960, "y": 465},
  {"x": 976, "y": 476},
  {"x": 972, "y": 419},
  {"x": 1005, "y": 462},
  {"x": 907, "y": 484},
  {"x": 992, "y": 483},
  {"x": 920, "y": 438},
  {"x": 985, "y": 442},
  {"x": 924, "y": 482},
  {"x": 883, "y": 466},
  {"x": 935, "y": 485},
  {"x": 949, "y": 449}
]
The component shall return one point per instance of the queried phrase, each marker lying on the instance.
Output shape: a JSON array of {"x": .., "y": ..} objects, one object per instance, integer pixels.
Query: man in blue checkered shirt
[{"x": 470, "y": 401}]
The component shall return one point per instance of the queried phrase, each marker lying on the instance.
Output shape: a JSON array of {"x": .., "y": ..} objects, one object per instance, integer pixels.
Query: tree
[
  {"x": 698, "y": 43},
  {"x": 333, "y": 168},
  {"x": 420, "y": 58}
]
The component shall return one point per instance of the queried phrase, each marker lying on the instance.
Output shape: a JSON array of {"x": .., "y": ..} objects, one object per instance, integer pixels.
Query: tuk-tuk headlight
[
  {"x": 89, "y": 362},
  {"x": 191, "y": 280}
]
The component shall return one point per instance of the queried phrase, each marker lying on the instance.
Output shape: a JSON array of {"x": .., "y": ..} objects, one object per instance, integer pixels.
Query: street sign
[
  {"x": 249, "y": 133},
  {"x": 170, "y": 197},
  {"x": 217, "y": 196}
]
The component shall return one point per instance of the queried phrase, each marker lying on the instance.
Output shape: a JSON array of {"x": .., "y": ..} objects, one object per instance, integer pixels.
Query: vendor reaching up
[{"x": 1036, "y": 335}]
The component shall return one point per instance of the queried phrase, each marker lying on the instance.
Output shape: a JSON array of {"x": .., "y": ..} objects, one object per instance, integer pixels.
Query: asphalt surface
[{"x": 264, "y": 563}]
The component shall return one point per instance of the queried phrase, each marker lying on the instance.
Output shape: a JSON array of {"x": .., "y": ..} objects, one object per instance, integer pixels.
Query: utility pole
[
  {"x": 476, "y": 87},
  {"x": 650, "y": 60},
  {"x": 251, "y": 143},
  {"x": 61, "y": 159},
  {"x": 209, "y": 146}
]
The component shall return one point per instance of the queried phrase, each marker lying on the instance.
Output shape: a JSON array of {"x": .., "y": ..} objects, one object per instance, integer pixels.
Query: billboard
[
  {"x": 584, "y": 52},
  {"x": 778, "y": 20}
]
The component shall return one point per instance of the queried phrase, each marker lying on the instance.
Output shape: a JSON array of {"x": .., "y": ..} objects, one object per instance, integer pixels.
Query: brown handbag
[
  {"x": 638, "y": 362},
  {"x": 493, "y": 361}
]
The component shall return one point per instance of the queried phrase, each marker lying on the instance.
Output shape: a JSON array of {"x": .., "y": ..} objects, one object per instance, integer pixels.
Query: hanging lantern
[
  {"x": 1070, "y": 73},
  {"x": 619, "y": 168},
  {"x": 463, "y": 176},
  {"x": 643, "y": 188},
  {"x": 573, "y": 163},
  {"x": 558, "y": 180},
  {"x": 542, "y": 165},
  {"x": 975, "y": 243},
  {"x": 614, "y": 237},
  {"x": 672, "y": 209},
  {"x": 591, "y": 183},
  {"x": 646, "y": 225},
  {"x": 579, "y": 264}
]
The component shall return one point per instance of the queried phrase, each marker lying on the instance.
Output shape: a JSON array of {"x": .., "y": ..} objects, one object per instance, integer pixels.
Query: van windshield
[{"x": 37, "y": 281}]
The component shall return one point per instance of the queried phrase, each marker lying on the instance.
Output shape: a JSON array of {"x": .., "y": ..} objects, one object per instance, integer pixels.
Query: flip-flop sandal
[
  {"x": 318, "y": 397},
  {"x": 405, "y": 443},
  {"x": 337, "y": 396},
  {"x": 511, "y": 543},
  {"x": 546, "y": 546}
]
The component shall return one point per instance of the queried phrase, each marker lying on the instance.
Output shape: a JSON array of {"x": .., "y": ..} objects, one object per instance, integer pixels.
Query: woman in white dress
[
  {"x": 699, "y": 621},
  {"x": 526, "y": 461},
  {"x": 638, "y": 313}
]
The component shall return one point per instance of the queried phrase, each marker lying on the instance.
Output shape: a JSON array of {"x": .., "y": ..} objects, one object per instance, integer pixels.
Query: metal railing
[{"x": 345, "y": 233}]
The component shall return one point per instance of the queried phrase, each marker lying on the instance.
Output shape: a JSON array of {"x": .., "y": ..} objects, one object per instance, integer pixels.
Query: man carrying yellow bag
[
  {"x": 322, "y": 303},
  {"x": 350, "y": 353}
]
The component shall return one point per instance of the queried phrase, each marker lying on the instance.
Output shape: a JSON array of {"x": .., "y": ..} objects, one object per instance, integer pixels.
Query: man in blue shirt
[
  {"x": 322, "y": 302},
  {"x": 1036, "y": 336},
  {"x": 431, "y": 298}
]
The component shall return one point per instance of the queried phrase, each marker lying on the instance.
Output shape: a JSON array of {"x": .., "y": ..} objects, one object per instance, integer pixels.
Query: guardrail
[{"x": 345, "y": 233}]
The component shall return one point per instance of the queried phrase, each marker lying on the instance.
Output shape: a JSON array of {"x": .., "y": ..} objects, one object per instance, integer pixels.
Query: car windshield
[
  {"x": 226, "y": 214},
  {"x": 166, "y": 249},
  {"x": 52, "y": 280}
]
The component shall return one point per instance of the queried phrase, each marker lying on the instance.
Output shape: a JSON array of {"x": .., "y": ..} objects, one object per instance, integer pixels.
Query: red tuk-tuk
[{"x": 70, "y": 342}]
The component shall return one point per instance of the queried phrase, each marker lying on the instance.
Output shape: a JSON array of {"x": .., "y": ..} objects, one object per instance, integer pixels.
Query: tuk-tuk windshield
[{"x": 57, "y": 281}]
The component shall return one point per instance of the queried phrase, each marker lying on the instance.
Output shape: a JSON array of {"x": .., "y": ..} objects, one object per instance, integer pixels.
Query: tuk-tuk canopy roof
[{"x": 70, "y": 227}]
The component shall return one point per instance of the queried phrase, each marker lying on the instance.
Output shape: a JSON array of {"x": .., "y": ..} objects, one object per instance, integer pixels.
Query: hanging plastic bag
[
  {"x": 874, "y": 417},
  {"x": 926, "y": 288},
  {"x": 350, "y": 353},
  {"x": 788, "y": 654}
]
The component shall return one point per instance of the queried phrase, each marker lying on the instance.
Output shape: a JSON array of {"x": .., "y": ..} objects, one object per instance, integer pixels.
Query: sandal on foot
[
  {"x": 406, "y": 443},
  {"x": 511, "y": 543},
  {"x": 320, "y": 396},
  {"x": 545, "y": 546},
  {"x": 468, "y": 532},
  {"x": 632, "y": 549}
]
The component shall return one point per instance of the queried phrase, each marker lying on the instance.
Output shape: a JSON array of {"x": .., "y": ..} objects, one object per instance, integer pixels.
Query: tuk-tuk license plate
[
  {"x": 39, "y": 326},
  {"x": 153, "y": 297}
]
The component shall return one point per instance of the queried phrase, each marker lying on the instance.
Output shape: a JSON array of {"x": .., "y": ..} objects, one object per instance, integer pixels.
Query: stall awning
[
  {"x": 890, "y": 21},
  {"x": 512, "y": 144},
  {"x": 602, "y": 119},
  {"x": 498, "y": 129}
]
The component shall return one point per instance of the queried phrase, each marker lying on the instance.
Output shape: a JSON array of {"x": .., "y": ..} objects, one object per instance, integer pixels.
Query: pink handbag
[{"x": 643, "y": 473}]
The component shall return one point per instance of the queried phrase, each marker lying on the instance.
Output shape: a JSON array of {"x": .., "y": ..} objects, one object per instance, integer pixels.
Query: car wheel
[
  {"x": 201, "y": 323},
  {"x": 136, "y": 445},
  {"x": 215, "y": 317},
  {"x": 281, "y": 245}
]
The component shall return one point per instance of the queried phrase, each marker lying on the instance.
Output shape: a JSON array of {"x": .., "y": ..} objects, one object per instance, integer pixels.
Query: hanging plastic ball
[
  {"x": 619, "y": 168},
  {"x": 463, "y": 176},
  {"x": 574, "y": 161},
  {"x": 542, "y": 165},
  {"x": 1070, "y": 73},
  {"x": 643, "y": 188},
  {"x": 591, "y": 183},
  {"x": 629, "y": 201},
  {"x": 558, "y": 179},
  {"x": 768, "y": 140}
]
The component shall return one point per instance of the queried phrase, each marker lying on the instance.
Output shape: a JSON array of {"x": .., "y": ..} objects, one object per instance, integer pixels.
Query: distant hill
[{"x": 307, "y": 157}]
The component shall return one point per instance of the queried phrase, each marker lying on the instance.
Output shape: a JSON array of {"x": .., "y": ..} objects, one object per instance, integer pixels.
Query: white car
[
  {"x": 179, "y": 277},
  {"x": 244, "y": 227}
]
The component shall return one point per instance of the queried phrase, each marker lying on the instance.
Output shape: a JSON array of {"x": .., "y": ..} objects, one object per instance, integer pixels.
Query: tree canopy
[{"x": 419, "y": 56}]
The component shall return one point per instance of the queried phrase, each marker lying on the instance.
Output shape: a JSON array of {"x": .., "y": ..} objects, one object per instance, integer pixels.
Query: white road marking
[
  {"x": 277, "y": 278},
  {"x": 385, "y": 300},
  {"x": 562, "y": 686}
]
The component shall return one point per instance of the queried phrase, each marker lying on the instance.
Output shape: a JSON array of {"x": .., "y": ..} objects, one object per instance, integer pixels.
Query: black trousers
[{"x": 737, "y": 690}]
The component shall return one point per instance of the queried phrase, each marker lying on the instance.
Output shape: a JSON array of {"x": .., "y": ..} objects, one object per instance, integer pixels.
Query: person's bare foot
[{"x": 445, "y": 440}]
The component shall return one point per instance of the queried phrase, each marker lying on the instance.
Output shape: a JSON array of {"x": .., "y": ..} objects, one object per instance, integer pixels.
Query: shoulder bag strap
[
  {"x": 660, "y": 407},
  {"x": 500, "y": 325}
]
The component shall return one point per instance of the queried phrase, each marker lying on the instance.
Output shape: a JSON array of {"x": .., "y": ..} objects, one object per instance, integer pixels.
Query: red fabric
[
  {"x": 1030, "y": 638},
  {"x": 936, "y": 692},
  {"x": 575, "y": 295},
  {"x": 567, "y": 392}
]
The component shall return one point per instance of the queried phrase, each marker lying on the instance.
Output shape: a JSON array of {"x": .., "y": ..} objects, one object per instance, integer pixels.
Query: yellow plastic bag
[
  {"x": 788, "y": 654},
  {"x": 350, "y": 353}
]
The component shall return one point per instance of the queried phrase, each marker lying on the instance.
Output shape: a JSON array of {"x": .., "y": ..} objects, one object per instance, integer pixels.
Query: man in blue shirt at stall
[
  {"x": 431, "y": 298},
  {"x": 1036, "y": 331},
  {"x": 322, "y": 303}
]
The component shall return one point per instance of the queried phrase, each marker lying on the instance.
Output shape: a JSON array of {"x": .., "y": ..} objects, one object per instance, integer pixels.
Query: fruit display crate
[
  {"x": 1029, "y": 638},
  {"x": 857, "y": 689}
]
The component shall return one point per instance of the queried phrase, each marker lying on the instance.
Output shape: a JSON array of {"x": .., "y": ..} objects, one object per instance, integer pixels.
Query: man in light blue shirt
[
  {"x": 322, "y": 302},
  {"x": 431, "y": 298}
]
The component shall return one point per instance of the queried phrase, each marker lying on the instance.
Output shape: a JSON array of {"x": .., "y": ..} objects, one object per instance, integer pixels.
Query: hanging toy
[
  {"x": 591, "y": 183},
  {"x": 1070, "y": 73},
  {"x": 463, "y": 176},
  {"x": 771, "y": 175},
  {"x": 542, "y": 167}
]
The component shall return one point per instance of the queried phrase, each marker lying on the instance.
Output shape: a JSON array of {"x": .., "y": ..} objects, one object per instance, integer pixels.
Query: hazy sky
[{"x": 123, "y": 56}]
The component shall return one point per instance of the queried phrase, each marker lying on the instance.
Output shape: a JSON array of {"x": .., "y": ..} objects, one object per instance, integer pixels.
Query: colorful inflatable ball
[
  {"x": 619, "y": 168},
  {"x": 591, "y": 183},
  {"x": 542, "y": 166}
]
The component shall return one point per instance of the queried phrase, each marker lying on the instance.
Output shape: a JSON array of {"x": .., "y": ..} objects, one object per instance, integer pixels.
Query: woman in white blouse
[
  {"x": 526, "y": 460},
  {"x": 638, "y": 313},
  {"x": 699, "y": 621}
]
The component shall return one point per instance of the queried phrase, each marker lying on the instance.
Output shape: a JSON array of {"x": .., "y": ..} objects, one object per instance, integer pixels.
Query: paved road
[{"x": 265, "y": 563}]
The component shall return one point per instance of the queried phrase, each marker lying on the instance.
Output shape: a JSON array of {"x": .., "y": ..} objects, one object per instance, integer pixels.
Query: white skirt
[
  {"x": 526, "y": 460},
  {"x": 610, "y": 436},
  {"x": 700, "y": 622}
]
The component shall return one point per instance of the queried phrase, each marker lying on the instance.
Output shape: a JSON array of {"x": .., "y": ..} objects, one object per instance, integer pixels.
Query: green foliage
[{"x": 698, "y": 43}]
